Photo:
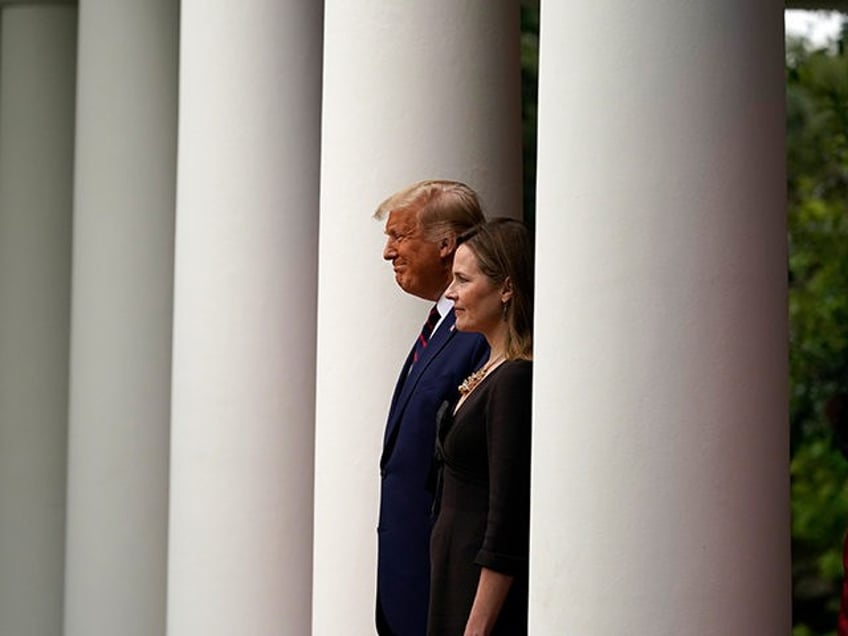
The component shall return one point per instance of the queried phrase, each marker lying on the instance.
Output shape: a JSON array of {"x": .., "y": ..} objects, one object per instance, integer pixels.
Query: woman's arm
[
  {"x": 505, "y": 542},
  {"x": 491, "y": 592}
]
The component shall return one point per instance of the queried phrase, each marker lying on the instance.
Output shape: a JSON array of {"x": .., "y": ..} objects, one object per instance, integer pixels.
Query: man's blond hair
[{"x": 442, "y": 207}]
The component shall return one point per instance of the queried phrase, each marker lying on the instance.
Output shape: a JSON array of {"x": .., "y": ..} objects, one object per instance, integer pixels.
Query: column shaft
[
  {"x": 37, "y": 52},
  {"x": 429, "y": 90},
  {"x": 121, "y": 318},
  {"x": 660, "y": 477},
  {"x": 240, "y": 541}
]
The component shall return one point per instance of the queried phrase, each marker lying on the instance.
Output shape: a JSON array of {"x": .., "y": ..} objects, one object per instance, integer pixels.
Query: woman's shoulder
[
  {"x": 516, "y": 371},
  {"x": 512, "y": 386},
  {"x": 519, "y": 365}
]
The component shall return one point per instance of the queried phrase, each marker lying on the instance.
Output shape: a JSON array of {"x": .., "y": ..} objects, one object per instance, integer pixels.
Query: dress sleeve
[{"x": 508, "y": 434}]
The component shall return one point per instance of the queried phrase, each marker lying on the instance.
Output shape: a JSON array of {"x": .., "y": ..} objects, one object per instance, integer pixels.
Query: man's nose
[{"x": 389, "y": 251}]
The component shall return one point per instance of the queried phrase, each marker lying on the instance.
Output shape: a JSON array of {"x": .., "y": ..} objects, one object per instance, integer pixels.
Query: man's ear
[
  {"x": 447, "y": 245},
  {"x": 506, "y": 290}
]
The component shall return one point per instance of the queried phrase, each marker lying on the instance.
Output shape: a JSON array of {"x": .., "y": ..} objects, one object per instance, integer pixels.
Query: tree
[
  {"x": 529, "y": 100},
  {"x": 817, "y": 189}
]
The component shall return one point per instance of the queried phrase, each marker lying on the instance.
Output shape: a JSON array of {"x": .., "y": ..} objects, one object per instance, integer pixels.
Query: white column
[
  {"x": 240, "y": 540},
  {"x": 660, "y": 477},
  {"x": 36, "y": 153},
  {"x": 411, "y": 91},
  {"x": 121, "y": 318}
]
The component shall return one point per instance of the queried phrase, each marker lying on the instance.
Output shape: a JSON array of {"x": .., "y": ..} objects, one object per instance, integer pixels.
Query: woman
[{"x": 479, "y": 545}]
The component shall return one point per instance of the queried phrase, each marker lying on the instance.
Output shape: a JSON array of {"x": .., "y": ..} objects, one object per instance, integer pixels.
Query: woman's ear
[{"x": 506, "y": 290}]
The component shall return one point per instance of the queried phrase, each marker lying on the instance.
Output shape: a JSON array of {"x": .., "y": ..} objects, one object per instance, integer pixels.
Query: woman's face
[{"x": 477, "y": 300}]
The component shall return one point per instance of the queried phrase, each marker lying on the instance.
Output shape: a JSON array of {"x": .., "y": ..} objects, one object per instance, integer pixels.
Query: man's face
[{"x": 420, "y": 267}]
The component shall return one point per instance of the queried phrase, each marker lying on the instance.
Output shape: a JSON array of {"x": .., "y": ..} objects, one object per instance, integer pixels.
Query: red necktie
[{"x": 426, "y": 332}]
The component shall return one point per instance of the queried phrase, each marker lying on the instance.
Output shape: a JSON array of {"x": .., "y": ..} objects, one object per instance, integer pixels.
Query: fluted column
[
  {"x": 660, "y": 475},
  {"x": 411, "y": 91},
  {"x": 240, "y": 540},
  {"x": 37, "y": 74},
  {"x": 121, "y": 318}
]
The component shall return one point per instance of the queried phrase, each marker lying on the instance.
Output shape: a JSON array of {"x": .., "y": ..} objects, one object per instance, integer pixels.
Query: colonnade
[{"x": 198, "y": 338}]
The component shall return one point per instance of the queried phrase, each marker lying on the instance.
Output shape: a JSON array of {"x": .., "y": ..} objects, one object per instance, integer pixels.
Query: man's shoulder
[
  {"x": 466, "y": 339},
  {"x": 464, "y": 348}
]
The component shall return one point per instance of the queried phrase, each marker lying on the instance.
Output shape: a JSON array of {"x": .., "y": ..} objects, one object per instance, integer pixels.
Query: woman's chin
[{"x": 462, "y": 325}]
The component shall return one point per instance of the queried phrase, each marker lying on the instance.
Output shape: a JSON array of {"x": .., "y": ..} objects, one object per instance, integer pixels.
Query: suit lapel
[
  {"x": 404, "y": 373},
  {"x": 434, "y": 346},
  {"x": 409, "y": 378}
]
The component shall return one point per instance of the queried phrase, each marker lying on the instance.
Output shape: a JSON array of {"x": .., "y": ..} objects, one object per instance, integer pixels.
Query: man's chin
[{"x": 405, "y": 286}]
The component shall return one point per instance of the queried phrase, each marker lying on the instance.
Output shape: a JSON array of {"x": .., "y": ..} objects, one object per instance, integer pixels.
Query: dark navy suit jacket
[{"x": 406, "y": 497}]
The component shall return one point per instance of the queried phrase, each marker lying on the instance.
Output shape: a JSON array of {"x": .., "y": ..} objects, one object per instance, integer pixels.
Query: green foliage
[
  {"x": 529, "y": 99},
  {"x": 803, "y": 630},
  {"x": 817, "y": 188}
]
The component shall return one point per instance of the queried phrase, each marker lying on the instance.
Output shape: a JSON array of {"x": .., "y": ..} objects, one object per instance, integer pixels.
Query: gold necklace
[{"x": 476, "y": 378}]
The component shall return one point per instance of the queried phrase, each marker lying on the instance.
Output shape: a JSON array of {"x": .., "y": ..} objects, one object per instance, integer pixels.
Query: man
[{"x": 422, "y": 223}]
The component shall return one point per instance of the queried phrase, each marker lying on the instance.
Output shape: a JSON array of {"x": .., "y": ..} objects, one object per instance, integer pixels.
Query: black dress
[{"x": 484, "y": 510}]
